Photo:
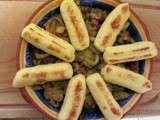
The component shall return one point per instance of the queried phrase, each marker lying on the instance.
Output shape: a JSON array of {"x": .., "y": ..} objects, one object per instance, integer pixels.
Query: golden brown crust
[
  {"x": 74, "y": 21},
  {"x": 40, "y": 75},
  {"x": 130, "y": 58},
  {"x": 118, "y": 53},
  {"x": 142, "y": 49},
  {"x": 148, "y": 55},
  {"x": 100, "y": 85},
  {"x": 78, "y": 31},
  {"x": 125, "y": 9},
  {"x": 51, "y": 47},
  {"x": 115, "y": 111},
  {"x": 108, "y": 100},
  {"x": 105, "y": 40},
  {"x": 76, "y": 101},
  {"x": 58, "y": 44},
  {"x": 108, "y": 70},
  {"x": 116, "y": 22},
  {"x": 59, "y": 73}
]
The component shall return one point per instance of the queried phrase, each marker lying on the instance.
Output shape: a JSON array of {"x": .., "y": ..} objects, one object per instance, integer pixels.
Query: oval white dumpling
[
  {"x": 75, "y": 24},
  {"x": 42, "y": 73},
  {"x": 48, "y": 42},
  {"x": 112, "y": 26}
]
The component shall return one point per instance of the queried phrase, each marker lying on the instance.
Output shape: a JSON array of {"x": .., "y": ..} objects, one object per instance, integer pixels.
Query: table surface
[{"x": 13, "y": 16}]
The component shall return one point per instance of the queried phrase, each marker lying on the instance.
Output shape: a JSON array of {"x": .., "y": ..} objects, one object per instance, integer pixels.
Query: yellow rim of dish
[{"x": 45, "y": 9}]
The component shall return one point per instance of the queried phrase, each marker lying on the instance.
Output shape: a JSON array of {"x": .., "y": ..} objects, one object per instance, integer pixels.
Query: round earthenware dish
[{"x": 35, "y": 95}]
